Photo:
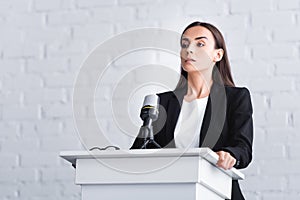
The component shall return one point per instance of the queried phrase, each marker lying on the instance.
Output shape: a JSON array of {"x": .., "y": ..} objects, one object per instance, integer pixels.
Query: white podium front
[{"x": 151, "y": 174}]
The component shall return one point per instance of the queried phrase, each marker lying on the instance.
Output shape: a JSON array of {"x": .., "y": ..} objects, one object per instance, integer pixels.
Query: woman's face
[{"x": 198, "y": 51}]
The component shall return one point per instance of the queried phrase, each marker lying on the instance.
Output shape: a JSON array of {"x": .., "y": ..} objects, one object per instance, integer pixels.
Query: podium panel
[{"x": 148, "y": 174}]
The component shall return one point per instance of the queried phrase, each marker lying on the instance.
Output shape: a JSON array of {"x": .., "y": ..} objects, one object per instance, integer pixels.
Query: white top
[{"x": 187, "y": 130}]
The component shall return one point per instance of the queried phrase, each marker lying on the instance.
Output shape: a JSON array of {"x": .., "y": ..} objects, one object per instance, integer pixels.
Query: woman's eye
[
  {"x": 200, "y": 44},
  {"x": 184, "y": 45}
]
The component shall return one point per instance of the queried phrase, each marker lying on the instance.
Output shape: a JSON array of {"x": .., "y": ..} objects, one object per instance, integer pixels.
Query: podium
[{"x": 150, "y": 174}]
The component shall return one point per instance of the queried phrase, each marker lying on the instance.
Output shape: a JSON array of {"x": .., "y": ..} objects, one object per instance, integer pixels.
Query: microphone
[
  {"x": 149, "y": 114},
  {"x": 149, "y": 111}
]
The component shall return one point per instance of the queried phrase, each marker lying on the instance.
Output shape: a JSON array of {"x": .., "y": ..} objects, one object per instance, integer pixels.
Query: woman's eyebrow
[{"x": 202, "y": 37}]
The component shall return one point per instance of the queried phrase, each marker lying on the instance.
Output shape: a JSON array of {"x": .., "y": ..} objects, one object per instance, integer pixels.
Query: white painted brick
[
  {"x": 113, "y": 14},
  {"x": 10, "y": 35},
  {"x": 39, "y": 159},
  {"x": 293, "y": 183},
  {"x": 265, "y": 183},
  {"x": 12, "y": 112},
  {"x": 237, "y": 6},
  {"x": 57, "y": 174},
  {"x": 18, "y": 174},
  {"x": 10, "y": 98},
  {"x": 198, "y": 8},
  {"x": 10, "y": 66},
  {"x": 23, "y": 49},
  {"x": 40, "y": 190},
  {"x": 258, "y": 36},
  {"x": 296, "y": 118},
  {"x": 229, "y": 22},
  {"x": 15, "y": 5},
  {"x": 11, "y": 160},
  {"x": 272, "y": 168},
  {"x": 282, "y": 135},
  {"x": 63, "y": 49},
  {"x": 46, "y": 95},
  {"x": 258, "y": 69},
  {"x": 46, "y": 5},
  {"x": 279, "y": 195},
  {"x": 290, "y": 34},
  {"x": 273, "y": 51},
  {"x": 49, "y": 127},
  {"x": 8, "y": 130},
  {"x": 59, "y": 80},
  {"x": 66, "y": 18},
  {"x": 26, "y": 20},
  {"x": 287, "y": 67},
  {"x": 57, "y": 111},
  {"x": 269, "y": 151},
  {"x": 268, "y": 84},
  {"x": 22, "y": 82},
  {"x": 285, "y": 101},
  {"x": 293, "y": 151},
  {"x": 93, "y": 32},
  {"x": 71, "y": 190},
  {"x": 288, "y": 5},
  {"x": 47, "y": 34},
  {"x": 8, "y": 190},
  {"x": 277, "y": 118},
  {"x": 94, "y": 3},
  {"x": 60, "y": 143},
  {"x": 27, "y": 145},
  {"x": 259, "y": 102},
  {"x": 157, "y": 11},
  {"x": 272, "y": 19},
  {"x": 47, "y": 66}
]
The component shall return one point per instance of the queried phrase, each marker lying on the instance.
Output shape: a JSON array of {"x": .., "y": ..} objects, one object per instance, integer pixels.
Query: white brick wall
[{"x": 43, "y": 44}]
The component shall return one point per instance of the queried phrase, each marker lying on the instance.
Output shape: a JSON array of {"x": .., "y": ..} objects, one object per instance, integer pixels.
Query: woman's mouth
[{"x": 190, "y": 60}]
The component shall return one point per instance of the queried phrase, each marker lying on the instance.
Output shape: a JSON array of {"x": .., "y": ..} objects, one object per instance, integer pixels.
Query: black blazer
[{"x": 227, "y": 124}]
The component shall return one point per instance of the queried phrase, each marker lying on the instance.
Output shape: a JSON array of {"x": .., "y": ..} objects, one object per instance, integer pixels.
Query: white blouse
[{"x": 187, "y": 130}]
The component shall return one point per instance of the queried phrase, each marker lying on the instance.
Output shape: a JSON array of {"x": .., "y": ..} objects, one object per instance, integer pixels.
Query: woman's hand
[{"x": 226, "y": 161}]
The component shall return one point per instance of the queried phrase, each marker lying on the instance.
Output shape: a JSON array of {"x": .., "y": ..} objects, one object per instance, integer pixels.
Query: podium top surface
[{"x": 205, "y": 153}]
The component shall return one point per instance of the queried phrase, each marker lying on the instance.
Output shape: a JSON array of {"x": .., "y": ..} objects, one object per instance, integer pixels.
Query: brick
[
  {"x": 8, "y": 130},
  {"x": 277, "y": 118},
  {"x": 26, "y": 20},
  {"x": 94, "y": 3},
  {"x": 203, "y": 8},
  {"x": 10, "y": 98},
  {"x": 273, "y": 51},
  {"x": 20, "y": 113},
  {"x": 59, "y": 80},
  {"x": 57, "y": 174},
  {"x": 11, "y": 160},
  {"x": 287, "y": 5},
  {"x": 47, "y": 35},
  {"x": 274, "y": 183},
  {"x": 59, "y": 143},
  {"x": 258, "y": 36},
  {"x": 288, "y": 101},
  {"x": 50, "y": 111},
  {"x": 272, "y": 19},
  {"x": 68, "y": 48},
  {"x": 46, "y": 5},
  {"x": 46, "y": 95},
  {"x": 21, "y": 145},
  {"x": 39, "y": 159},
  {"x": 293, "y": 152},
  {"x": 113, "y": 14},
  {"x": 268, "y": 84},
  {"x": 237, "y": 6},
  {"x": 290, "y": 34},
  {"x": 17, "y": 175},
  {"x": 287, "y": 67},
  {"x": 286, "y": 167},
  {"x": 22, "y": 50},
  {"x": 68, "y": 18},
  {"x": 8, "y": 191},
  {"x": 22, "y": 82},
  {"x": 47, "y": 66},
  {"x": 40, "y": 190}
]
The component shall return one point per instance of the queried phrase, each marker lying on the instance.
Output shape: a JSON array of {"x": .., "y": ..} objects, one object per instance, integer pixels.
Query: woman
[{"x": 223, "y": 120}]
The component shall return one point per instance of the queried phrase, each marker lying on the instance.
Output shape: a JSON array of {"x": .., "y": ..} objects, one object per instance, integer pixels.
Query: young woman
[{"x": 206, "y": 109}]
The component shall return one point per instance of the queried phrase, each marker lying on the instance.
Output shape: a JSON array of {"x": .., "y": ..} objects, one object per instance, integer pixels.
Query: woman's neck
[{"x": 199, "y": 85}]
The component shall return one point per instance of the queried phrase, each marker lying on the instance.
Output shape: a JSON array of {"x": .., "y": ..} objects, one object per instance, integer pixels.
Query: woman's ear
[{"x": 218, "y": 55}]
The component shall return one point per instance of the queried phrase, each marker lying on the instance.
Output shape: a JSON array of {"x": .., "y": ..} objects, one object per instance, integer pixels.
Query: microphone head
[{"x": 151, "y": 100}]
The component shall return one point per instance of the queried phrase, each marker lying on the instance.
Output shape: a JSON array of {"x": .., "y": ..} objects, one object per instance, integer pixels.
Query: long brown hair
[{"x": 223, "y": 66}]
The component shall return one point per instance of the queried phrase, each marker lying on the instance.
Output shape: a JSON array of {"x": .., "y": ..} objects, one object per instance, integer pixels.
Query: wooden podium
[{"x": 151, "y": 174}]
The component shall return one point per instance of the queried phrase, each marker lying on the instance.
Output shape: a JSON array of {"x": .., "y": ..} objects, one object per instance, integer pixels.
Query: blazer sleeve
[{"x": 241, "y": 129}]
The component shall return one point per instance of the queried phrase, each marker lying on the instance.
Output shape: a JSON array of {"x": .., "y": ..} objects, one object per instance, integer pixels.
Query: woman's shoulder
[{"x": 237, "y": 91}]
